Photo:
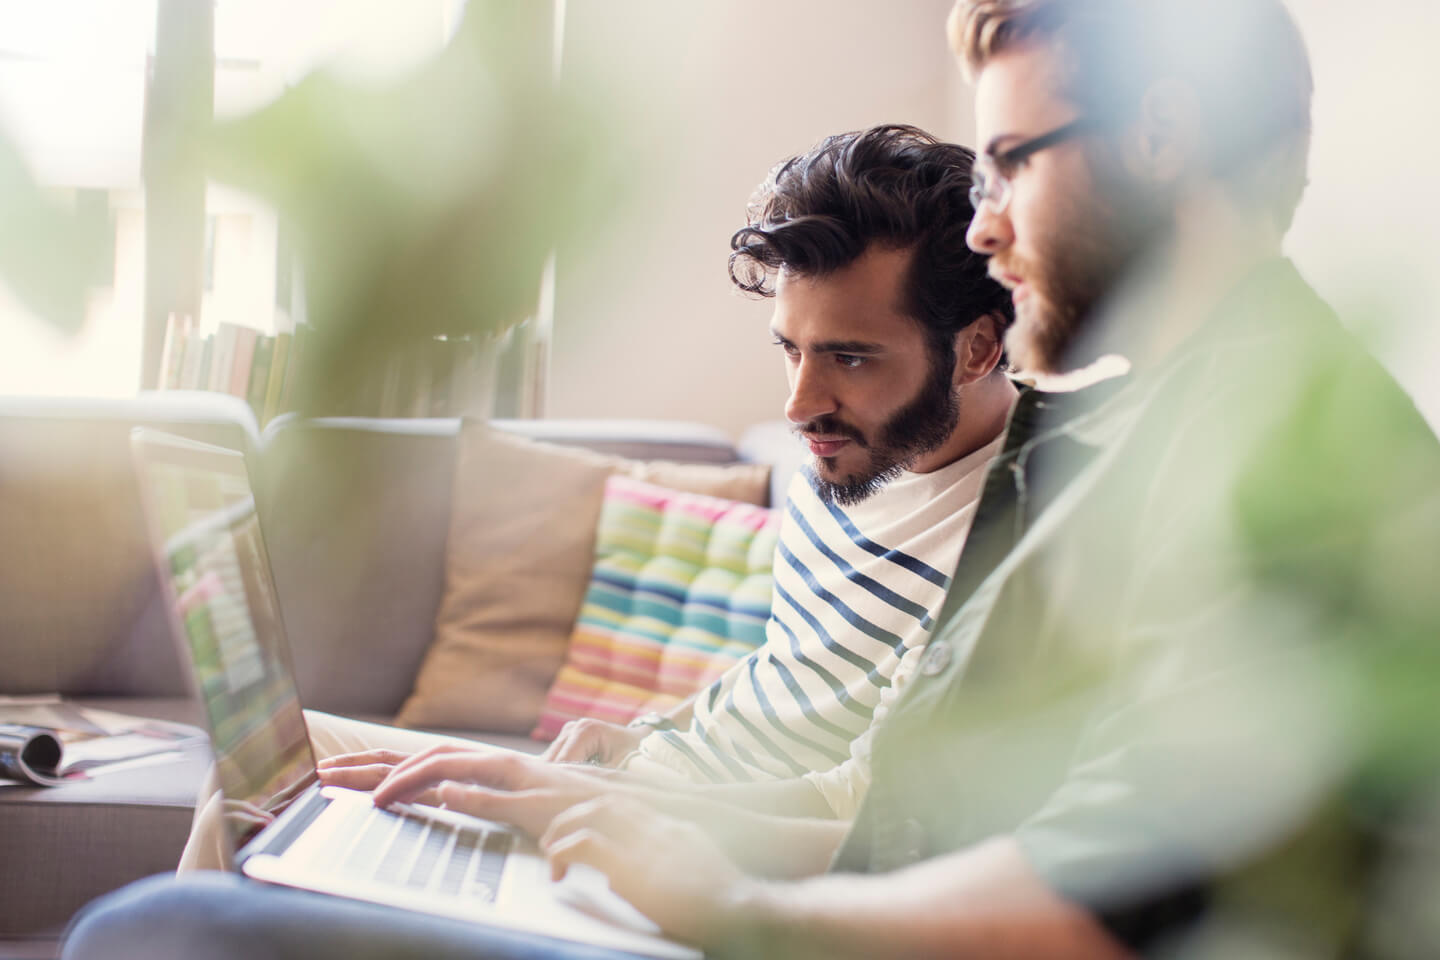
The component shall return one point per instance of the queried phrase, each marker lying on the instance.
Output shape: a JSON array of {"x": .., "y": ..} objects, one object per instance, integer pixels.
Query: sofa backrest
[
  {"x": 355, "y": 514},
  {"x": 80, "y": 606}
]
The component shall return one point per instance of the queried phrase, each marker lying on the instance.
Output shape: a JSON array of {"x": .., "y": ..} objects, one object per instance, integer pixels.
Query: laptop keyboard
[{"x": 416, "y": 852}]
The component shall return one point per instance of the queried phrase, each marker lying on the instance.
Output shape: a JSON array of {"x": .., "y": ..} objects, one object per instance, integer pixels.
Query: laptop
[{"x": 292, "y": 831}]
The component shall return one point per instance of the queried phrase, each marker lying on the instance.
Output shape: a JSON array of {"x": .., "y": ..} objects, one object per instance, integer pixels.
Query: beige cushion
[{"x": 518, "y": 558}]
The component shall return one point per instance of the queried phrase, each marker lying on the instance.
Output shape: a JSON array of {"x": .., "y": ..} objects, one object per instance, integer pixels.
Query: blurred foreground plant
[
  {"x": 427, "y": 207},
  {"x": 422, "y": 207},
  {"x": 46, "y": 256}
]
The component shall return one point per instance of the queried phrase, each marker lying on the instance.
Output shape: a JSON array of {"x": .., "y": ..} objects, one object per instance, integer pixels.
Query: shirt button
[{"x": 936, "y": 659}]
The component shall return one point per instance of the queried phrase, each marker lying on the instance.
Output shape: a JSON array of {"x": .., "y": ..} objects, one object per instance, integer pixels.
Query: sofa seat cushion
[{"x": 680, "y": 590}]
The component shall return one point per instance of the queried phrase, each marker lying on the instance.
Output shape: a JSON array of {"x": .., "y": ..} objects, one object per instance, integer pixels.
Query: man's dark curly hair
[{"x": 894, "y": 185}]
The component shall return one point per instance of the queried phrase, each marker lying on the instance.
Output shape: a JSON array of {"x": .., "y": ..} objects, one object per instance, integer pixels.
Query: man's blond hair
[
  {"x": 980, "y": 29},
  {"x": 1244, "y": 59}
]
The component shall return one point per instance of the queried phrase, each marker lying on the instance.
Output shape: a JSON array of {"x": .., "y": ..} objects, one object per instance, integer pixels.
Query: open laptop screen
[{"x": 201, "y": 502}]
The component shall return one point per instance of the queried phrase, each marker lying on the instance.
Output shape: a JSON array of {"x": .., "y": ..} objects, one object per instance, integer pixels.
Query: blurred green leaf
[
  {"x": 427, "y": 207},
  {"x": 47, "y": 257}
]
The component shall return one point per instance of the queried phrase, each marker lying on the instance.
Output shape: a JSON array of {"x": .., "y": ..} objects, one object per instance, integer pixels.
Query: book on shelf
[
  {"x": 179, "y": 331},
  {"x": 235, "y": 359},
  {"x": 288, "y": 390},
  {"x": 46, "y": 740},
  {"x": 279, "y": 357},
  {"x": 259, "y": 374},
  {"x": 207, "y": 357},
  {"x": 246, "y": 338},
  {"x": 223, "y": 359}
]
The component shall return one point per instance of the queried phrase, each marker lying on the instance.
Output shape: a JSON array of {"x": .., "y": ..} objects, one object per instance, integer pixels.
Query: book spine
[
  {"x": 245, "y": 340},
  {"x": 276, "y": 380},
  {"x": 172, "y": 363},
  {"x": 223, "y": 357},
  {"x": 207, "y": 357},
  {"x": 289, "y": 392},
  {"x": 260, "y": 375},
  {"x": 194, "y": 347}
]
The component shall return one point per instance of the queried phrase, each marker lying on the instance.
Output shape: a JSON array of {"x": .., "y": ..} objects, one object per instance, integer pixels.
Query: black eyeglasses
[{"x": 993, "y": 187}]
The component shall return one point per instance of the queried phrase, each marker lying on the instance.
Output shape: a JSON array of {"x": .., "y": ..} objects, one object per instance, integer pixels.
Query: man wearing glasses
[{"x": 1180, "y": 715}]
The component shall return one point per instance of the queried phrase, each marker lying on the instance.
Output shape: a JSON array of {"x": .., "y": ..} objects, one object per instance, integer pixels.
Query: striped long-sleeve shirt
[{"x": 856, "y": 588}]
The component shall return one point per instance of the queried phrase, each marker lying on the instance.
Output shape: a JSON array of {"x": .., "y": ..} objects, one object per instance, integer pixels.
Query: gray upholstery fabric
[
  {"x": 79, "y": 609},
  {"x": 355, "y": 520},
  {"x": 355, "y": 514}
]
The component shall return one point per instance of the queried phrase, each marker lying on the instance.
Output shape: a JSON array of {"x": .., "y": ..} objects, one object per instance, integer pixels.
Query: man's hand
[
  {"x": 509, "y": 787},
  {"x": 595, "y": 741},
  {"x": 670, "y": 870},
  {"x": 366, "y": 770}
]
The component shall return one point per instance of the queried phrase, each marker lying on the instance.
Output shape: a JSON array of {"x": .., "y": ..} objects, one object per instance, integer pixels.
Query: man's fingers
[
  {"x": 366, "y": 777},
  {"x": 615, "y": 817},
  {"x": 363, "y": 758},
  {"x": 439, "y": 749},
  {"x": 525, "y": 809},
  {"x": 560, "y": 745},
  {"x": 585, "y": 846},
  {"x": 411, "y": 778}
]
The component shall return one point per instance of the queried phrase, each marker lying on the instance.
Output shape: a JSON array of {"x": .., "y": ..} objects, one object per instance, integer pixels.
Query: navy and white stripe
[{"x": 855, "y": 588}]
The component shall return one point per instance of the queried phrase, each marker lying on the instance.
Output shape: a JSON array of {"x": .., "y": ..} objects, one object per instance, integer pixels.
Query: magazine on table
[{"x": 46, "y": 740}]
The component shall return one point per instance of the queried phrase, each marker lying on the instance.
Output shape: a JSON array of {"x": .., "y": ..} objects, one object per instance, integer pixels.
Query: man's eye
[
  {"x": 850, "y": 360},
  {"x": 790, "y": 349},
  {"x": 1006, "y": 169}
]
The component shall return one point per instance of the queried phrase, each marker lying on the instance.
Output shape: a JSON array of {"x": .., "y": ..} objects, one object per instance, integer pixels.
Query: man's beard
[
  {"x": 922, "y": 425},
  {"x": 1096, "y": 240}
]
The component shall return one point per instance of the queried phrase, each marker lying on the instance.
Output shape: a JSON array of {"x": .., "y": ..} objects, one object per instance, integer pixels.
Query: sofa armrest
[{"x": 80, "y": 603}]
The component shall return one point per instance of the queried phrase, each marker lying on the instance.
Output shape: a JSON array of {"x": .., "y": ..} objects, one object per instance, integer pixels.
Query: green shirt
[{"x": 1177, "y": 683}]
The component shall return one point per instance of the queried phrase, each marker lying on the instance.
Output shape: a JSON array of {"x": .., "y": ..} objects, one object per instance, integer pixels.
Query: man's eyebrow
[
  {"x": 833, "y": 346},
  {"x": 994, "y": 148},
  {"x": 847, "y": 346}
]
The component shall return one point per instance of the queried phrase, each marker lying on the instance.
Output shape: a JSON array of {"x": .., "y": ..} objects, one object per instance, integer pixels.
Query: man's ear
[
  {"x": 978, "y": 349},
  {"x": 1165, "y": 140}
]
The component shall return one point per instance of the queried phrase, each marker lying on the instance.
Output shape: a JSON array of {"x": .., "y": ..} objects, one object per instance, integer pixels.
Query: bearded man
[
  {"x": 1189, "y": 711},
  {"x": 890, "y": 334}
]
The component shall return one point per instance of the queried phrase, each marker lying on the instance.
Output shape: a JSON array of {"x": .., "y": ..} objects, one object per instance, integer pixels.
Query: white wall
[
  {"x": 652, "y": 326},
  {"x": 653, "y": 329},
  {"x": 1368, "y": 232}
]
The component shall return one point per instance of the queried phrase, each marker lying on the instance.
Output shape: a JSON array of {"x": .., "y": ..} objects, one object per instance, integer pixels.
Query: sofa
[{"x": 355, "y": 513}]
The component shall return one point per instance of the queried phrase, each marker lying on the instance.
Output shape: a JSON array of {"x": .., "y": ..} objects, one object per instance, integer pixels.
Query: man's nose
[
  {"x": 989, "y": 232},
  {"x": 810, "y": 395}
]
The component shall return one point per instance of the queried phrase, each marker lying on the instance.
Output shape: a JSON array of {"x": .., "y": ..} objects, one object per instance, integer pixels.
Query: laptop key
[
  {"x": 459, "y": 863},
  {"x": 436, "y": 841},
  {"x": 365, "y": 855},
  {"x": 402, "y": 848},
  {"x": 493, "y": 852}
]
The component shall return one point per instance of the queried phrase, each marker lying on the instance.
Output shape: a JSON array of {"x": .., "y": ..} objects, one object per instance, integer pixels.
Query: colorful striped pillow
[{"x": 680, "y": 591}]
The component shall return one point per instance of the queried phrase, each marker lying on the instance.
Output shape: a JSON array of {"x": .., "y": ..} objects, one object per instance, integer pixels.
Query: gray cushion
[
  {"x": 79, "y": 605},
  {"x": 355, "y": 519}
]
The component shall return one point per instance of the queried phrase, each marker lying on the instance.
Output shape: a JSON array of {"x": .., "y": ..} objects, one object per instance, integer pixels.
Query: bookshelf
[
  {"x": 442, "y": 375},
  {"x": 235, "y": 359}
]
